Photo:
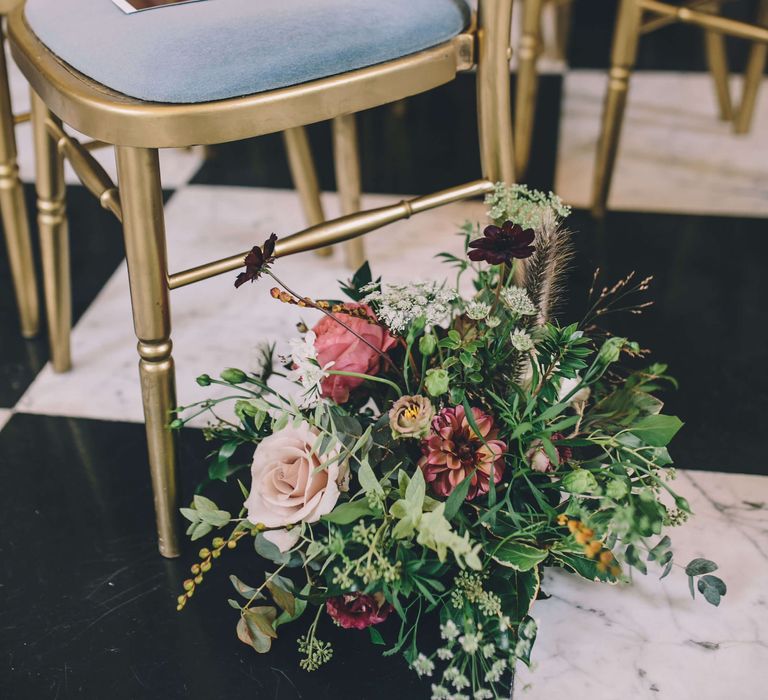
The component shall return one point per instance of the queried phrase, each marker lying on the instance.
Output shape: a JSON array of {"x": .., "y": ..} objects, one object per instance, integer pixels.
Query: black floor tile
[
  {"x": 89, "y": 606},
  {"x": 96, "y": 245},
  {"x": 708, "y": 322},
  {"x": 674, "y": 47},
  {"x": 419, "y": 145}
]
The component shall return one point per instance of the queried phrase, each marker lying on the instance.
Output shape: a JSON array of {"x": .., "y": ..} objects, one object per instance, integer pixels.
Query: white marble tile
[
  {"x": 177, "y": 166},
  {"x": 5, "y": 416},
  {"x": 675, "y": 154},
  {"x": 215, "y": 326},
  {"x": 650, "y": 639}
]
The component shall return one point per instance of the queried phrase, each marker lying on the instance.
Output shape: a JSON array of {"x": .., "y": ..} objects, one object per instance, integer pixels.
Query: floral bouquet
[{"x": 442, "y": 447}]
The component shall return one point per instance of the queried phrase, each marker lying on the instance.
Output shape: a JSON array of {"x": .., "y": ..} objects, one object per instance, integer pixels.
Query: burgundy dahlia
[
  {"x": 500, "y": 244},
  {"x": 453, "y": 451},
  {"x": 358, "y": 610},
  {"x": 257, "y": 261}
]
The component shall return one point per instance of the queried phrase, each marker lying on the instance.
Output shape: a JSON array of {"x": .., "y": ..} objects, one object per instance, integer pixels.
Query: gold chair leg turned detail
[
  {"x": 145, "y": 251},
  {"x": 622, "y": 61},
  {"x": 14, "y": 214},
  {"x": 54, "y": 235},
  {"x": 494, "y": 115},
  {"x": 346, "y": 159},
  {"x": 527, "y": 84}
]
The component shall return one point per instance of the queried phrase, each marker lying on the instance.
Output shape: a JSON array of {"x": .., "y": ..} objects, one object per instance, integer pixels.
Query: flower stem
[{"x": 359, "y": 375}]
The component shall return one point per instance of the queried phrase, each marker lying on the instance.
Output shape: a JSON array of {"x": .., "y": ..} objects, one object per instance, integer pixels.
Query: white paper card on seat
[{"x": 131, "y": 6}]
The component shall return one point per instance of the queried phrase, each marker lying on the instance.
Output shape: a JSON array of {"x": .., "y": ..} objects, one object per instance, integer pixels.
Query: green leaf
[
  {"x": 203, "y": 504},
  {"x": 584, "y": 567},
  {"x": 284, "y": 599},
  {"x": 712, "y": 588},
  {"x": 417, "y": 489},
  {"x": 457, "y": 497},
  {"x": 190, "y": 514},
  {"x": 376, "y": 637},
  {"x": 697, "y": 567},
  {"x": 349, "y": 512},
  {"x": 519, "y": 556},
  {"x": 526, "y": 636},
  {"x": 633, "y": 559},
  {"x": 269, "y": 550},
  {"x": 368, "y": 480},
  {"x": 657, "y": 430},
  {"x": 244, "y": 589},
  {"x": 579, "y": 481}
]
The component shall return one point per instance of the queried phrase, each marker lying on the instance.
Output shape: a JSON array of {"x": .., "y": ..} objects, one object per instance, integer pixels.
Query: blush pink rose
[
  {"x": 336, "y": 344},
  {"x": 290, "y": 484}
]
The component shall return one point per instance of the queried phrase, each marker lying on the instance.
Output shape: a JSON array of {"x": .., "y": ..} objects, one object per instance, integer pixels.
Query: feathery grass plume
[{"x": 544, "y": 273}]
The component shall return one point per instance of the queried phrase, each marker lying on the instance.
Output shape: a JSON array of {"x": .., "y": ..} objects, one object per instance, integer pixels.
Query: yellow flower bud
[
  {"x": 606, "y": 557},
  {"x": 205, "y": 566},
  {"x": 204, "y": 553},
  {"x": 573, "y": 525},
  {"x": 188, "y": 584}
]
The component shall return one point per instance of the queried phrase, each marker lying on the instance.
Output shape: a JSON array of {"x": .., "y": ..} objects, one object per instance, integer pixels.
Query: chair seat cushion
[{"x": 217, "y": 49}]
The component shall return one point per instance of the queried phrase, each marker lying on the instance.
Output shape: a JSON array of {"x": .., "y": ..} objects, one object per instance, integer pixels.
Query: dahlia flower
[{"x": 454, "y": 451}]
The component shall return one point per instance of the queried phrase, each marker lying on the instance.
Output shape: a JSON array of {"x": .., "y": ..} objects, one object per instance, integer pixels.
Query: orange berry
[
  {"x": 581, "y": 538},
  {"x": 602, "y": 568},
  {"x": 562, "y": 519},
  {"x": 587, "y": 532},
  {"x": 573, "y": 525},
  {"x": 606, "y": 557},
  {"x": 592, "y": 549},
  {"x": 615, "y": 571}
]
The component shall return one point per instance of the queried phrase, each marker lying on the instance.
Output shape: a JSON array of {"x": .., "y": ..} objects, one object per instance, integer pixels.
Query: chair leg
[
  {"x": 14, "y": 214},
  {"x": 145, "y": 251},
  {"x": 527, "y": 84},
  {"x": 717, "y": 60},
  {"x": 563, "y": 12},
  {"x": 494, "y": 116},
  {"x": 54, "y": 235},
  {"x": 622, "y": 61},
  {"x": 753, "y": 76},
  {"x": 304, "y": 177},
  {"x": 346, "y": 160}
]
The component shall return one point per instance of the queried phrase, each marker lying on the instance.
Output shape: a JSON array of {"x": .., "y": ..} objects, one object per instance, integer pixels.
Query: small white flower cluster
[
  {"x": 477, "y": 310},
  {"x": 516, "y": 299},
  {"x": 470, "y": 643},
  {"x": 521, "y": 341},
  {"x": 496, "y": 671},
  {"x": 306, "y": 368},
  {"x": 398, "y": 305},
  {"x": 423, "y": 665},
  {"x": 449, "y": 630},
  {"x": 522, "y": 205}
]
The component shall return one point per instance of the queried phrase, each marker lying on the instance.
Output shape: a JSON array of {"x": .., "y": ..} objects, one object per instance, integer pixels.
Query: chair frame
[
  {"x": 630, "y": 25},
  {"x": 13, "y": 208},
  {"x": 137, "y": 129}
]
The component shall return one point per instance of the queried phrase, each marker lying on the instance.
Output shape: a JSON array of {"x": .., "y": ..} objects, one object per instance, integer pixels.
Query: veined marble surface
[
  {"x": 675, "y": 154},
  {"x": 5, "y": 416},
  {"x": 214, "y": 325},
  {"x": 650, "y": 639}
]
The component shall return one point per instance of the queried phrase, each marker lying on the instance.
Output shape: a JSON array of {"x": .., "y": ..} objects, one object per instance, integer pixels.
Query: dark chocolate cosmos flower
[
  {"x": 257, "y": 261},
  {"x": 500, "y": 244}
]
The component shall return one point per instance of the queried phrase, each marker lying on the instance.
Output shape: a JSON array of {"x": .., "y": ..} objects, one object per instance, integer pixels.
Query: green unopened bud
[
  {"x": 427, "y": 344},
  {"x": 176, "y": 424},
  {"x": 204, "y": 553},
  {"x": 204, "y": 380},
  {"x": 234, "y": 376},
  {"x": 188, "y": 585},
  {"x": 611, "y": 350},
  {"x": 218, "y": 542},
  {"x": 436, "y": 382}
]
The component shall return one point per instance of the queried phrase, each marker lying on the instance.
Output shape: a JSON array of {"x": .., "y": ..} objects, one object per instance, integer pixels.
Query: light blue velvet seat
[{"x": 217, "y": 49}]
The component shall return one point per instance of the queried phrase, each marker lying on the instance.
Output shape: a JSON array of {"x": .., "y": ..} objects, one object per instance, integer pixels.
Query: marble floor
[{"x": 88, "y": 606}]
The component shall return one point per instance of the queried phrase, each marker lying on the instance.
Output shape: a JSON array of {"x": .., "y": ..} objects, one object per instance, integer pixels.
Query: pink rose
[
  {"x": 357, "y": 610},
  {"x": 288, "y": 484},
  {"x": 336, "y": 344}
]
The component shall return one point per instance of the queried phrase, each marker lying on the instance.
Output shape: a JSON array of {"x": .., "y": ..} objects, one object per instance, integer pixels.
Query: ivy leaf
[{"x": 518, "y": 555}]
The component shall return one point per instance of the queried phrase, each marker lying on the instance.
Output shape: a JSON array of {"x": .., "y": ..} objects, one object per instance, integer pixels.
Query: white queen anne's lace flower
[
  {"x": 449, "y": 630},
  {"x": 423, "y": 666},
  {"x": 306, "y": 368},
  {"x": 521, "y": 341},
  {"x": 398, "y": 305},
  {"x": 516, "y": 299}
]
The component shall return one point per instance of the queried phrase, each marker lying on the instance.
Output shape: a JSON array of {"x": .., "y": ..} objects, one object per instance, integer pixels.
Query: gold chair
[
  {"x": 138, "y": 128},
  {"x": 12, "y": 206},
  {"x": 630, "y": 25}
]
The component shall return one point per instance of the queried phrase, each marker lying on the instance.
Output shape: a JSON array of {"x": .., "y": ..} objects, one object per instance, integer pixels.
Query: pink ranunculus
[
  {"x": 358, "y": 610},
  {"x": 291, "y": 484},
  {"x": 453, "y": 451},
  {"x": 336, "y": 344}
]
